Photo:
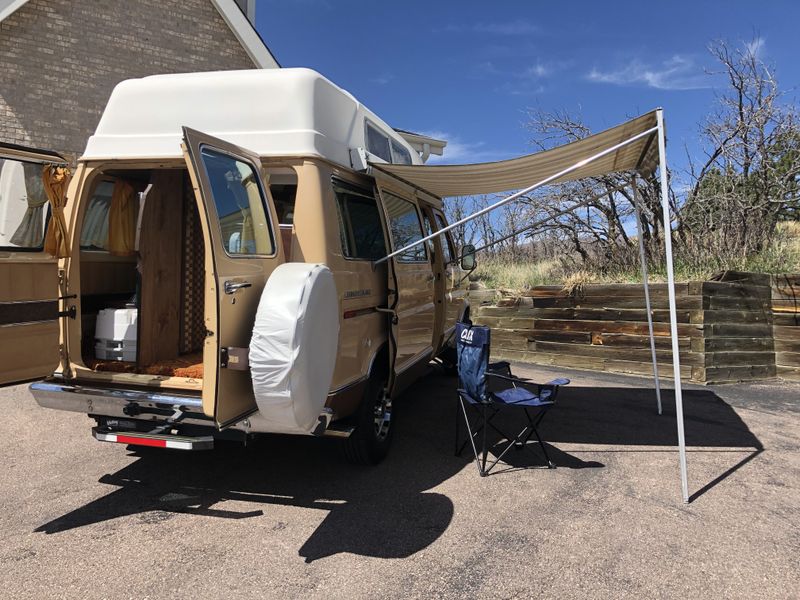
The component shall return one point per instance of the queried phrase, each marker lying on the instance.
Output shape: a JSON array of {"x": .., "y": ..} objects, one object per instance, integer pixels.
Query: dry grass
[{"x": 782, "y": 256}]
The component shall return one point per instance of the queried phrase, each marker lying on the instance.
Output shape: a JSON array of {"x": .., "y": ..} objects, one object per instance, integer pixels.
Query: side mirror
[{"x": 468, "y": 262}]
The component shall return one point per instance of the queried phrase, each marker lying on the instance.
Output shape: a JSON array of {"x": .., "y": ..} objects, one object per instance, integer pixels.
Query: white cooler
[{"x": 115, "y": 334}]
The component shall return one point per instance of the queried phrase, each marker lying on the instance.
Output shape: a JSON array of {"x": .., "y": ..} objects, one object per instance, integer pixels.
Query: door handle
[{"x": 232, "y": 286}]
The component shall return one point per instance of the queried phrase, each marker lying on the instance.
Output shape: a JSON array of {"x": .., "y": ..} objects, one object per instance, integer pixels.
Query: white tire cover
[{"x": 293, "y": 348}]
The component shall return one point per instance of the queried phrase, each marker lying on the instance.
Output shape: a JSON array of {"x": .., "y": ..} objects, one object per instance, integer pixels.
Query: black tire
[{"x": 370, "y": 441}]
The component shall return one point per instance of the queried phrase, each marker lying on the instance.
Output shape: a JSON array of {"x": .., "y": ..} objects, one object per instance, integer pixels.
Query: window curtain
[
  {"x": 122, "y": 219},
  {"x": 30, "y": 232},
  {"x": 56, "y": 180}
]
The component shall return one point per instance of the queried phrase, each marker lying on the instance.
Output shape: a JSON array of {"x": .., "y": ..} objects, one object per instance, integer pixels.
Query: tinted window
[
  {"x": 240, "y": 205},
  {"x": 400, "y": 156},
  {"x": 284, "y": 197},
  {"x": 378, "y": 143},
  {"x": 448, "y": 249},
  {"x": 23, "y": 205},
  {"x": 405, "y": 228},
  {"x": 359, "y": 224}
]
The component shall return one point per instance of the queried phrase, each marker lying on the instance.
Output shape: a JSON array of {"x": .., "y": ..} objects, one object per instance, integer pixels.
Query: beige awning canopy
[{"x": 640, "y": 155}]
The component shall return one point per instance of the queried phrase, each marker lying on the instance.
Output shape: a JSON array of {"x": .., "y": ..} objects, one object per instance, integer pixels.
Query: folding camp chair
[{"x": 476, "y": 397}]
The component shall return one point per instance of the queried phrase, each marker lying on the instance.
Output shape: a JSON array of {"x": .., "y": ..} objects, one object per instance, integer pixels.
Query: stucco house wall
[{"x": 60, "y": 59}]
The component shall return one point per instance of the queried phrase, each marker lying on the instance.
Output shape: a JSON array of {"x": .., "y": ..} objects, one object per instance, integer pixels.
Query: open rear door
[
  {"x": 29, "y": 287},
  {"x": 238, "y": 221}
]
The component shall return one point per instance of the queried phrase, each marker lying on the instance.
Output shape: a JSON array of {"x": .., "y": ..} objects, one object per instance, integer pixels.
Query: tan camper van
[{"x": 218, "y": 273}]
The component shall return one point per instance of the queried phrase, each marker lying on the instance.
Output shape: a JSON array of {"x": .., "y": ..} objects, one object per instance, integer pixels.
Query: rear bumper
[{"x": 117, "y": 402}]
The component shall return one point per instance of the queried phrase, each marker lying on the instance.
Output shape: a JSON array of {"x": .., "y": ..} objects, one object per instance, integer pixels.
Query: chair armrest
[
  {"x": 521, "y": 380},
  {"x": 556, "y": 382}
]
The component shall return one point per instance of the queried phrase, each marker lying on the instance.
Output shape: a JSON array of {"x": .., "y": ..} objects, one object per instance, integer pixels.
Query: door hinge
[{"x": 236, "y": 359}]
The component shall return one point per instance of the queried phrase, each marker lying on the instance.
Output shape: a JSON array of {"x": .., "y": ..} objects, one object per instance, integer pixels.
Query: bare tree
[{"x": 747, "y": 181}]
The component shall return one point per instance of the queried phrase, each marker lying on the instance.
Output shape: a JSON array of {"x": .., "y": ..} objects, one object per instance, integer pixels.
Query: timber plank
[
  {"x": 624, "y": 340},
  {"x": 787, "y": 345},
  {"x": 683, "y": 302},
  {"x": 734, "y": 374},
  {"x": 786, "y": 333},
  {"x": 684, "y": 329},
  {"x": 737, "y": 330},
  {"x": 736, "y": 290},
  {"x": 580, "y": 337},
  {"x": 737, "y": 316},
  {"x": 606, "y": 289},
  {"x": 747, "y": 344},
  {"x": 612, "y": 314},
  {"x": 788, "y": 359},
  {"x": 160, "y": 251},
  {"x": 626, "y": 354},
  {"x": 786, "y": 320},
  {"x": 728, "y": 359}
]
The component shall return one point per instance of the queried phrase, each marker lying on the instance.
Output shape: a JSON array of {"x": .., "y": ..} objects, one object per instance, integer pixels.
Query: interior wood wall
[{"x": 160, "y": 251}]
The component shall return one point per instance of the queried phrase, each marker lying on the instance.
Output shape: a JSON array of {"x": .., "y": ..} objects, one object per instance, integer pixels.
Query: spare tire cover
[{"x": 293, "y": 348}]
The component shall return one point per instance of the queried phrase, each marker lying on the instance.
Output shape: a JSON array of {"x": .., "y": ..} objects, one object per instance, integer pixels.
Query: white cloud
[
  {"x": 459, "y": 151},
  {"x": 382, "y": 79},
  {"x": 517, "y": 27},
  {"x": 679, "y": 72},
  {"x": 756, "y": 47}
]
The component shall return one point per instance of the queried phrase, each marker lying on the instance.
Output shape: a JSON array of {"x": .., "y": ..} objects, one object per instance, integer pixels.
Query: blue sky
[{"x": 469, "y": 70}]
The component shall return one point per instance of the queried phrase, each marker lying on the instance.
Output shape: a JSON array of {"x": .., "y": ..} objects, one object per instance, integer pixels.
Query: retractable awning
[
  {"x": 486, "y": 178},
  {"x": 637, "y": 147}
]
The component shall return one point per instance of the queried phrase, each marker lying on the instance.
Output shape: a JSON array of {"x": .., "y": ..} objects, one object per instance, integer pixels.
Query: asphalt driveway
[{"x": 288, "y": 518}]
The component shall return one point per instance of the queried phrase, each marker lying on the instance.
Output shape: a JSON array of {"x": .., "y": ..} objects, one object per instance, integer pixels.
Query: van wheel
[{"x": 369, "y": 443}]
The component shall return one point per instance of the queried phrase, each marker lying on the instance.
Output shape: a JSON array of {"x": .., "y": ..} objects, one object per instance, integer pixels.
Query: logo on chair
[{"x": 466, "y": 335}]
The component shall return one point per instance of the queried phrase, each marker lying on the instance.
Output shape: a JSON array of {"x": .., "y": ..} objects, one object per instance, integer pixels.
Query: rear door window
[{"x": 240, "y": 203}]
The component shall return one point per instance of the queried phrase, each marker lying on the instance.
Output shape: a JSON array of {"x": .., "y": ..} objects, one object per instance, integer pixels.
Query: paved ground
[{"x": 82, "y": 519}]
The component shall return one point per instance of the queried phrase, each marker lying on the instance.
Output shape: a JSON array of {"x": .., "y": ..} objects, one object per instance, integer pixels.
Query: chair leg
[
  {"x": 485, "y": 450},
  {"x": 458, "y": 424},
  {"x": 534, "y": 429},
  {"x": 471, "y": 439}
]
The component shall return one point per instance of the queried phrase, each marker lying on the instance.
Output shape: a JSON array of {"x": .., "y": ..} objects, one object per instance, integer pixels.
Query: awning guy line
[{"x": 512, "y": 197}]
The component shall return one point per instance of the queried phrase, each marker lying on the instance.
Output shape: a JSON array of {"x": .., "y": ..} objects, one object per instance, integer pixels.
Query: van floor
[{"x": 188, "y": 365}]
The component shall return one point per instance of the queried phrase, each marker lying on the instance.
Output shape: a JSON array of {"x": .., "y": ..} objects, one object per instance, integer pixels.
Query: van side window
[
  {"x": 23, "y": 205},
  {"x": 378, "y": 143},
  {"x": 400, "y": 156},
  {"x": 405, "y": 228},
  {"x": 284, "y": 196},
  {"x": 239, "y": 200},
  {"x": 359, "y": 223},
  {"x": 448, "y": 250}
]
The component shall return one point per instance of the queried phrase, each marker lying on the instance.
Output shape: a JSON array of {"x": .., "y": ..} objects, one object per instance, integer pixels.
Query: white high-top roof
[{"x": 275, "y": 112}]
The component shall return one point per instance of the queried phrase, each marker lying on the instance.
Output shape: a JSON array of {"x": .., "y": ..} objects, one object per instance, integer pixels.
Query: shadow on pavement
[{"x": 386, "y": 511}]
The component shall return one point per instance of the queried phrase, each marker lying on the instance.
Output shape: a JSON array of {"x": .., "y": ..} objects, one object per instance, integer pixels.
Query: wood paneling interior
[
  {"x": 160, "y": 251},
  {"x": 171, "y": 326}
]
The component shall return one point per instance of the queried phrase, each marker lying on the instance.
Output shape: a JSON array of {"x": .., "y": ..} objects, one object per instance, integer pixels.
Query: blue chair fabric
[{"x": 485, "y": 402}]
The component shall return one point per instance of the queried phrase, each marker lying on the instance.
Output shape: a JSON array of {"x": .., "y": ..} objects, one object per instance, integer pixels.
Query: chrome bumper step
[{"x": 138, "y": 438}]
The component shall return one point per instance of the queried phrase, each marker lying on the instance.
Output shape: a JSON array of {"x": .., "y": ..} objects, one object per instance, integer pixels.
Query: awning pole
[
  {"x": 639, "y": 230},
  {"x": 673, "y": 311},
  {"x": 528, "y": 190}
]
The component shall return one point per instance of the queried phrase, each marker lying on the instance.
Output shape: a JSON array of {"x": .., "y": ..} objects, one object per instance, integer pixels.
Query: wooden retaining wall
[
  {"x": 786, "y": 324},
  {"x": 725, "y": 328}
]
